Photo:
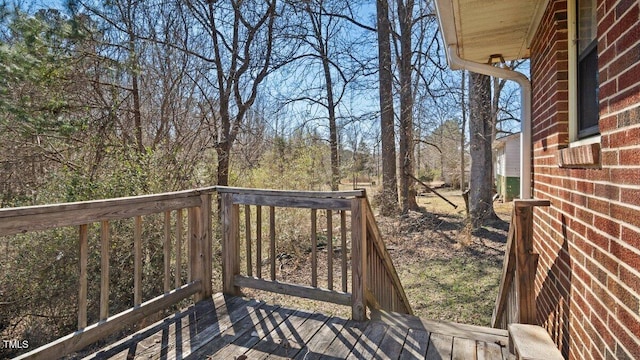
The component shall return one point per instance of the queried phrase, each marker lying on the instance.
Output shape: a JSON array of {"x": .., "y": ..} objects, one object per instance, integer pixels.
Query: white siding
[{"x": 508, "y": 157}]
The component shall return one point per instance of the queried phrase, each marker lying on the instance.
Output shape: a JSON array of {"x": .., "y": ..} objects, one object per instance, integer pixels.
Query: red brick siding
[{"x": 588, "y": 279}]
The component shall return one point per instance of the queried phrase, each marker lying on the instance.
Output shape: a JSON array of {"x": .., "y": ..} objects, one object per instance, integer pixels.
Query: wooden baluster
[
  {"x": 247, "y": 226},
  {"x": 137, "y": 261},
  {"x": 272, "y": 241},
  {"x": 259, "y": 241},
  {"x": 104, "y": 270},
  {"x": 343, "y": 244},
  {"x": 192, "y": 225},
  {"x": 358, "y": 259},
  {"x": 167, "y": 251},
  {"x": 178, "y": 279},
  {"x": 82, "y": 288},
  {"x": 205, "y": 237},
  {"x": 329, "y": 250},
  {"x": 314, "y": 249},
  {"x": 230, "y": 244}
]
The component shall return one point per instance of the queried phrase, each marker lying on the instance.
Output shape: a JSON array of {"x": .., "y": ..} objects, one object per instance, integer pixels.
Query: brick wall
[{"x": 588, "y": 279}]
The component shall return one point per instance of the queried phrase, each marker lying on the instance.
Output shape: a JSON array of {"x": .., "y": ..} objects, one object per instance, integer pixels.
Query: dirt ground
[{"x": 448, "y": 272}]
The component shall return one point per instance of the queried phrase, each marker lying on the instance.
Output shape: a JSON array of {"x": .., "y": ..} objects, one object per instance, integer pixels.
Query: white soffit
[{"x": 482, "y": 28}]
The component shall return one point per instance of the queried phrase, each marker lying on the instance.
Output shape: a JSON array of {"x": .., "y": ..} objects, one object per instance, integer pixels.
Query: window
[
  {"x": 587, "y": 68},
  {"x": 584, "y": 109}
]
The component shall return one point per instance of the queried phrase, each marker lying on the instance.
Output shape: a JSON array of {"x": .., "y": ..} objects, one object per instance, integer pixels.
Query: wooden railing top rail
[
  {"x": 43, "y": 217},
  {"x": 293, "y": 193}
]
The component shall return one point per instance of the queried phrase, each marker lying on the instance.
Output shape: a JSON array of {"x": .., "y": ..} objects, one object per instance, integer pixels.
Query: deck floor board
[{"x": 232, "y": 327}]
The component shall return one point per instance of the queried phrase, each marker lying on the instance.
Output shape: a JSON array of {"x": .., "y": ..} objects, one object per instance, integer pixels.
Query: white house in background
[{"x": 507, "y": 174}]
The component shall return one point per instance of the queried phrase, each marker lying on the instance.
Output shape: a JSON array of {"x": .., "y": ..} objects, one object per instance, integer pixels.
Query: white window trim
[{"x": 573, "y": 80}]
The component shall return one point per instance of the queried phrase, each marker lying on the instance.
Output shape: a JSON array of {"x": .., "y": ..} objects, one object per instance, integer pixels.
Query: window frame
[{"x": 591, "y": 134}]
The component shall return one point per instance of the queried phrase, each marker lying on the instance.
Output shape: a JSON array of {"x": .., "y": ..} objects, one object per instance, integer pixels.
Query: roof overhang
[{"x": 485, "y": 31}]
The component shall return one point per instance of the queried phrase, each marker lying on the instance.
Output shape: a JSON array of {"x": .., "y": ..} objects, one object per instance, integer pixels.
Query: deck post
[
  {"x": 358, "y": 258},
  {"x": 230, "y": 244},
  {"x": 526, "y": 263}
]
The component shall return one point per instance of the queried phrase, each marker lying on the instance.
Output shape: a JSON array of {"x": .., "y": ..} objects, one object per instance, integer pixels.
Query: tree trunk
[
  {"x": 389, "y": 197},
  {"x": 481, "y": 189},
  {"x": 463, "y": 180},
  {"x": 407, "y": 191}
]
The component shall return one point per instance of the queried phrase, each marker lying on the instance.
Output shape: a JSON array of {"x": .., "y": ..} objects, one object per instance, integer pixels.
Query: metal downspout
[{"x": 525, "y": 99}]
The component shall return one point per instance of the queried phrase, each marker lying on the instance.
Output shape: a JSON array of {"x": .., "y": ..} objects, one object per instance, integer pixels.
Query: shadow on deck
[{"x": 226, "y": 327}]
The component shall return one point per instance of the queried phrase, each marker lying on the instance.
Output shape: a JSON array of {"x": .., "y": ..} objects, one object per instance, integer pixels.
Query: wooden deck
[{"x": 226, "y": 327}]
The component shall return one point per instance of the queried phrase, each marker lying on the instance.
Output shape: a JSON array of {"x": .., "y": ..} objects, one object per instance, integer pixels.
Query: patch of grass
[{"x": 460, "y": 289}]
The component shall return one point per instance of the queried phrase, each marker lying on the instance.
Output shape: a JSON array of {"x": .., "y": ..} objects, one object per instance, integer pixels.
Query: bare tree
[{"x": 242, "y": 43}]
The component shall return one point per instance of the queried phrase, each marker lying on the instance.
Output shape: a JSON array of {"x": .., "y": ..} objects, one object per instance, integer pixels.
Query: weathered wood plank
[
  {"x": 230, "y": 253},
  {"x": 415, "y": 345},
  {"x": 466, "y": 331},
  {"x": 316, "y": 346},
  {"x": 92, "y": 333},
  {"x": 530, "y": 342},
  {"x": 358, "y": 259},
  {"x": 104, "y": 270},
  {"x": 347, "y": 339},
  {"x": 272, "y": 241},
  {"x": 247, "y": 232},
  {"x": 464, "y": 349},
  {"x": 392, "y": 343},
  {"x": 206, "y": 239},
  {"x": 52, "y": 216},
  {"x": 166, "y": 247},
  {"x": 208, "y": 328},
  {"x": 329, "y": 250},
  {"x": 179, "y": 237},
  {"x": 343, "y": 249},
  {"x": 281, "y": 342},
  {"x": 314, "y": 249},
  {"x": 241, "y": 327},
  {"x": 137, "y": 261},
  {"x": 440, "y": 347},
  {"x": 296, "y": 343},
  {"x": 292, "y": 193},
  {"x": 521, "y": 203},
  {"x": 367, "y": 345},
  {"x": 160, "y": 336},
  {"x": 259, "y": 241},
  {"x": 303, "y": 291},
  {"x": 489, "y": 351},
  {"x": 526, "y": 263},
  {"x": 291, "y": 202},
  {"x": 82, "y": 281},
  {"x": 260, "y": 331}
]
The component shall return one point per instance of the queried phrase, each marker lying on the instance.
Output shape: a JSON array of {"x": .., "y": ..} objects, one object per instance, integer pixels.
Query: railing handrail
[
  {"x": 45, "y": 217},
  {"x": 387, "y": 262},
  {"x": 292, "y": 193},
  {"x": 519, "y": 267}
]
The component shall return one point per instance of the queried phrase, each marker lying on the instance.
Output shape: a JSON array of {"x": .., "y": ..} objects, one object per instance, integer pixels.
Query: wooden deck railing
[
  {"x": 516, "y": 295},
  {"x": 374, "y": 281},
  {"x": 198, "y": 250}
]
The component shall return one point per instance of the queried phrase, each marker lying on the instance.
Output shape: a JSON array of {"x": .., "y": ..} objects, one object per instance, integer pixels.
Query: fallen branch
[{"x": 433, "y": 191}]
